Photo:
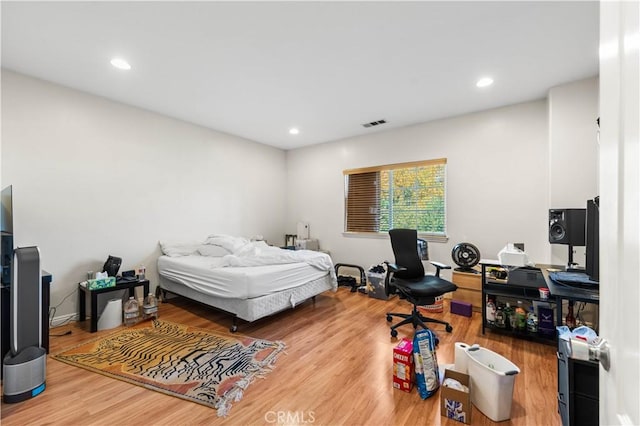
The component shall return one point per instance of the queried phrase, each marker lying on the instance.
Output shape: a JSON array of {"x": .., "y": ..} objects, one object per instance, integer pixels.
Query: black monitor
[{"x": 593, "y": 239}]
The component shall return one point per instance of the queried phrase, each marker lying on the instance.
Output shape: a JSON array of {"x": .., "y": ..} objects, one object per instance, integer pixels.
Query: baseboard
[{"x": 63, "y": 320}]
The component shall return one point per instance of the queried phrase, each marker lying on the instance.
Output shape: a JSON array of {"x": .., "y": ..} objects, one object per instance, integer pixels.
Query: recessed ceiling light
[
  {"x": 484, "y": 82},
  {"x": 294, "y": 131},
  {"x": 121, "y": 64}
]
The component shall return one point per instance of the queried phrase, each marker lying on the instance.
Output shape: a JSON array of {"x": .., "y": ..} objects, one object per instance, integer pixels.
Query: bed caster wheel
[
  {"x": 449, "y": 328},
  {"x": 394, "y": 333},
  {"x": 389, "y": 318},
  {"x": 233, "y": 328}
]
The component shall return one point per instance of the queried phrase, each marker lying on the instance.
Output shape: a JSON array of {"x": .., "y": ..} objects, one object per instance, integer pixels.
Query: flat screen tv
[{"x": 593, "y": 239}]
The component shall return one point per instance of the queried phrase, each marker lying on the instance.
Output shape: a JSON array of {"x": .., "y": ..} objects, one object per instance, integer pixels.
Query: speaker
[{"x": 567, "y": 226}]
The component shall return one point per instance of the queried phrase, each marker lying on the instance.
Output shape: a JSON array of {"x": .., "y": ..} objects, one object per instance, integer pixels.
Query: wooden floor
[{"x": 337, "y": 370}]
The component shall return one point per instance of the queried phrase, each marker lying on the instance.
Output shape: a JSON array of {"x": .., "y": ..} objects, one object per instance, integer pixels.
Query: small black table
[{"x": 94, "y": 298}]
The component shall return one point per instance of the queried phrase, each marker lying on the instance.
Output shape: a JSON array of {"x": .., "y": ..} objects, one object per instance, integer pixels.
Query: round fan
[{"x": 466, "y": 256}]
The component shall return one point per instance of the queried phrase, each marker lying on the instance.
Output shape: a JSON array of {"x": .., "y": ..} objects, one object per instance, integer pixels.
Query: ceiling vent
[{"x": 374, "y": 123}]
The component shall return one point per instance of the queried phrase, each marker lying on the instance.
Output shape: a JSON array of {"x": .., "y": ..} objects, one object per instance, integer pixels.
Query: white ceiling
[{"x": 255, "y": 69}]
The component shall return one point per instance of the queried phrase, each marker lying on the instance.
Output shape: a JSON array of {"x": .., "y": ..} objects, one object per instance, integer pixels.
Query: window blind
[
  {"x": 403, "y": 195},
  {"x": 363, "y": 202}
]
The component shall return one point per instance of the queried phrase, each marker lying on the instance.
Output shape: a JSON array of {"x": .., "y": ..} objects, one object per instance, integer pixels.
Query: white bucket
[
  {"x": 492, "y": 377},
  {"x": 111, "y": 316}
]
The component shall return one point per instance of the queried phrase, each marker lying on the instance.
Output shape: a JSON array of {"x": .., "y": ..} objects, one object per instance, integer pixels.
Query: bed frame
[{"x": 255, "y": 308}]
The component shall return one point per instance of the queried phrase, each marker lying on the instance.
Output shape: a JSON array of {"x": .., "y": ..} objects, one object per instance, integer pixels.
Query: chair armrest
[
  {"x": 391, "y": 269},
  {"x": 439, "y": 266},
  {"x": 395, "y": 268}
]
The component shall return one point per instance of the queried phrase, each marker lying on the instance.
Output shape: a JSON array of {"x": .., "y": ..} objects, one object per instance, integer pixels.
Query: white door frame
[{"x": 619, "y": 171}]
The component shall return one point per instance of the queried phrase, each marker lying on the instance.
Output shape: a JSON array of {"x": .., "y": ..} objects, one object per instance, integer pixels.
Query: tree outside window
[{"x": 406, "y": 195}]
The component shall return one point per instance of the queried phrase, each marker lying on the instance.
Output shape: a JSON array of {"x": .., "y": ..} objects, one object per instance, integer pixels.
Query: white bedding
[
  {"x": 260, "y": 254},
  {"x": 213, "y": 276}
]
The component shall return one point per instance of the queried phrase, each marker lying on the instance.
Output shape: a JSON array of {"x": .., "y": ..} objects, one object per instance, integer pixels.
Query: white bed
[{"x": 248, "y": 280}]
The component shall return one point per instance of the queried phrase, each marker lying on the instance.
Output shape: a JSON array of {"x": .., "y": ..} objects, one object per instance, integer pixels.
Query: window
[{"x": 405, "y": 195}]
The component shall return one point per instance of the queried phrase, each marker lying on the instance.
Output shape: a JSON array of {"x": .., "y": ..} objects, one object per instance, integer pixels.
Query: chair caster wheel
[
  {"x": 394, "y": 333},
  {"x": 389, "y": 318},
  {"x": 449, "y": 329}
]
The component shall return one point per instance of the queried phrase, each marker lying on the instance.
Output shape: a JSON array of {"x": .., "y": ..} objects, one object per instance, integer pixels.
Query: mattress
[
  {"x": 203, "y": 274},
  {"x": 258, "y": 307}
]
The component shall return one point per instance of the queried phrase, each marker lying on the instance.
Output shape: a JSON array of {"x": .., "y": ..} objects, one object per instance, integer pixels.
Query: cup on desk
[
  {"x": 544, "y": 293},
  {"x": 141, "y": 272}
]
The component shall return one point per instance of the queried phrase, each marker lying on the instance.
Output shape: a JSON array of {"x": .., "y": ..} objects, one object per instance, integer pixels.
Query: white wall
[
  {"x": 92, "y": 177},
  {"x": 573, "y": 152},
  {"x": 497, "y": 182}
]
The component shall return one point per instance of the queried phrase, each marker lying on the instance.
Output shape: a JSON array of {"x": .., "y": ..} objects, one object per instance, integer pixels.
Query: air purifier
[{"x": 26, "y": 363}]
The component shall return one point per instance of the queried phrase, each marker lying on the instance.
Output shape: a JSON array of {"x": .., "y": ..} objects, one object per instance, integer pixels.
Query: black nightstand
[{"x": 94, "y": 298}]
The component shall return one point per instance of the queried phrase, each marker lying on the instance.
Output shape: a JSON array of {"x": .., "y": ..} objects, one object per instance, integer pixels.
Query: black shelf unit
[
  {"x": 500, "y": 289},
  {"x": 578, "y": 387},
  {"x": 535, "y": 337}
]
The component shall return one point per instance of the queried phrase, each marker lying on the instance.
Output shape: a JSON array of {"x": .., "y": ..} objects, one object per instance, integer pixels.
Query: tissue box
[
  {"x": 512, "y": 256},
  {"x": 101, "y": 283},
  {"x": 455, "y": 404},
  {"x": 403, "y": 365}
]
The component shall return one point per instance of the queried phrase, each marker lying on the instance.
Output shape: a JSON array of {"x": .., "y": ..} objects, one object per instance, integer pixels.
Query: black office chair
[{"x": 406, "y": 277}]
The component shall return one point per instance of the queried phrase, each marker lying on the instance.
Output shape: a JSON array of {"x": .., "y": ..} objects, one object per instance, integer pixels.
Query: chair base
[{"x": 416, "y": 319}]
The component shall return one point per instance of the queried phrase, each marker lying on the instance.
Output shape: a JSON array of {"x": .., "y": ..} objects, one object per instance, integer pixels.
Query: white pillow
[
  {"x": 183, "y": 248},
  {"x": 212, "y": 251},
  {"x": 229, "y": 242}
]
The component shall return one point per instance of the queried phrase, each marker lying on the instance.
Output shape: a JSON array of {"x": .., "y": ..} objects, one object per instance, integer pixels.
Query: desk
[
  {"x": 562, "y": 292},
  {"x": 94, "y": 298}
]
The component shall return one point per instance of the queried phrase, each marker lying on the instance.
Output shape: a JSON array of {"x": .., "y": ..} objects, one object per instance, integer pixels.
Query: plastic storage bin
[
  {"x": 492, "y": 377},
  {"x": 111, "y": 316},
  {"x": 376, "y": 285}
]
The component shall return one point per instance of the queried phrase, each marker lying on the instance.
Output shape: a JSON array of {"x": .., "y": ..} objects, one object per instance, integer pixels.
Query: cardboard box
[
  {"x": 546, "y": 325},
  {"x": 403, "y": 365},
  {"x": 455, "y": 404},
  {"x": 375, "y": 286}
]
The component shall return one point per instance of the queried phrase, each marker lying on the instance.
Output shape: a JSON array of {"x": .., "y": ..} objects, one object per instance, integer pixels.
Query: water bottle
[
  {"x": 510, "y": 317},
  {"x": 131, "y": 311},
  {"x": 501, "y": 319},
  {"x": 491, "y": 310},
  {"x": 521, "y": 317},
  {"x": 150, "y": 307},
  {"x": 532, "y": 321},
  {"x": 570, "y": 320}
]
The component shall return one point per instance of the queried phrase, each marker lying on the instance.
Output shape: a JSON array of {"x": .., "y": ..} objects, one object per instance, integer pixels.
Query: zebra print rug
[{"x": 191, "y": 363}]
